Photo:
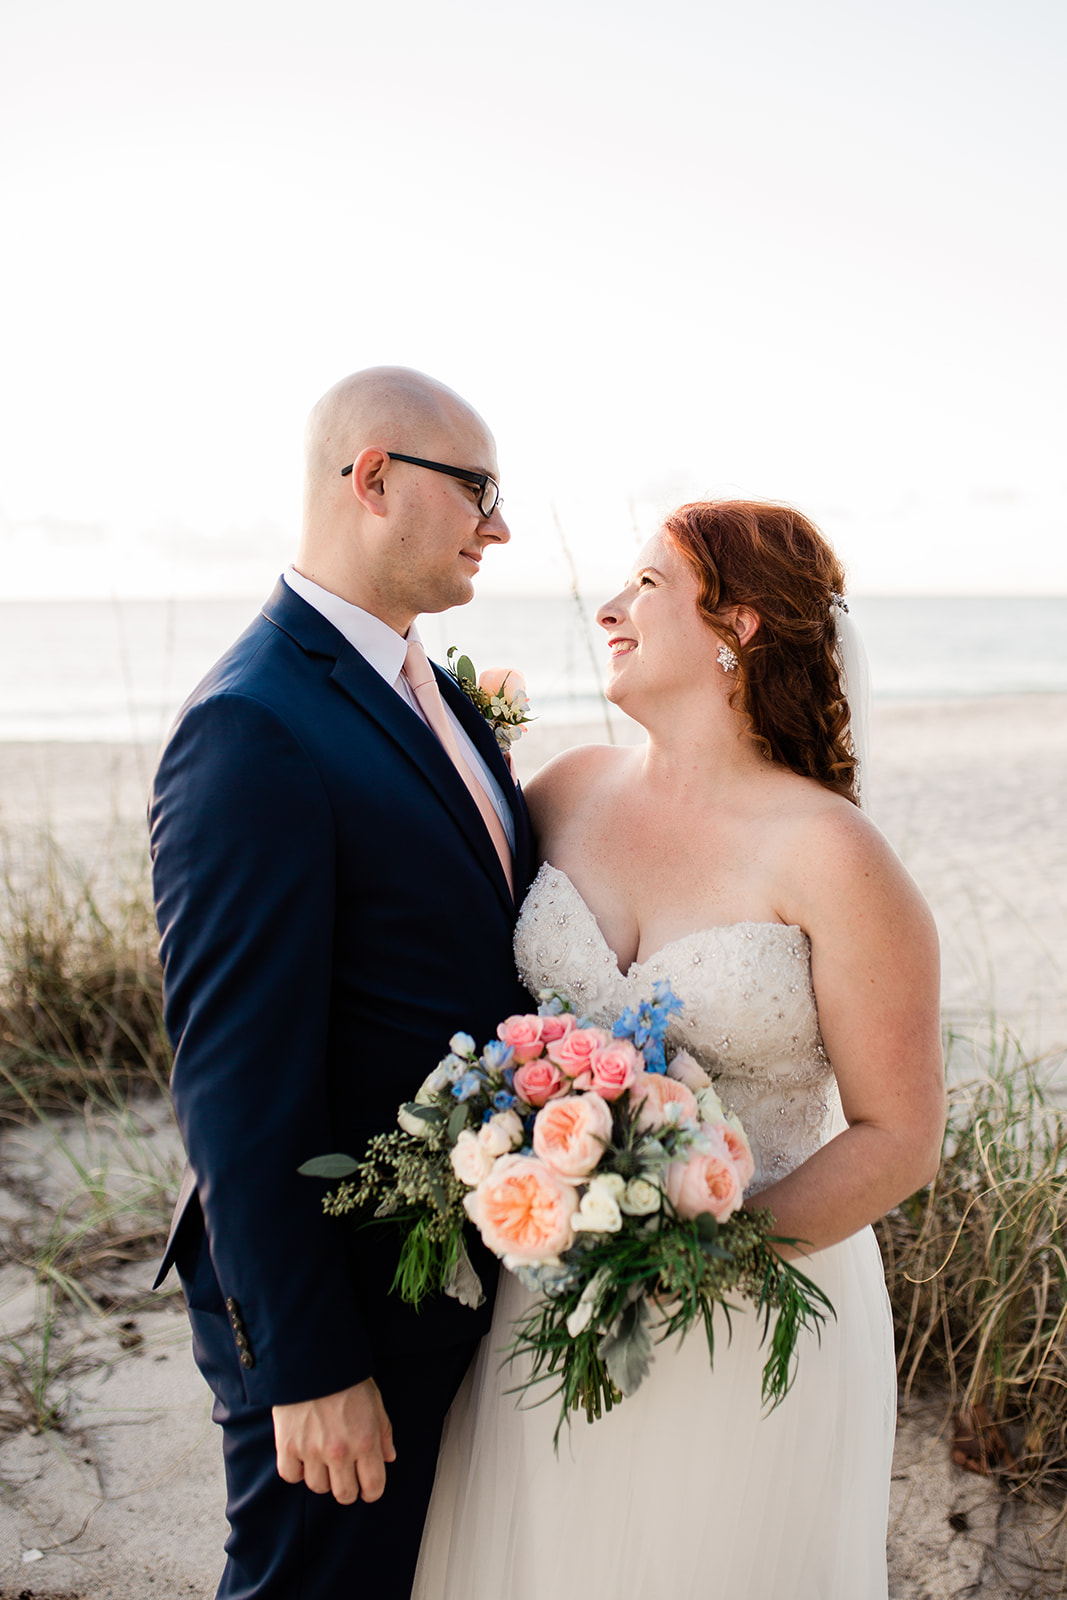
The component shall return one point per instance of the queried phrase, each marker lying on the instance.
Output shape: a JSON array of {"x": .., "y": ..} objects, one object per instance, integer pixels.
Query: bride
[{"x": 727, "y": 854}]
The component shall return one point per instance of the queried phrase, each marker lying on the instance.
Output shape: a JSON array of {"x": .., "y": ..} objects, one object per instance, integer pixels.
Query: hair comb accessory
[
  {"x": 838, "y": 600},
  {"x": 727, "y": 658}
]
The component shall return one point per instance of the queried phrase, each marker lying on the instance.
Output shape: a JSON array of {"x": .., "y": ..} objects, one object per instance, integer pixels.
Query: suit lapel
[
  {"x": 369, "y": 692},
  {"x": 483, "y": 738}
]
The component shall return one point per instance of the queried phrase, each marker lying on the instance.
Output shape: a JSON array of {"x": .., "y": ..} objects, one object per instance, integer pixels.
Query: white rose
[
  {"x": 418, "y": 1127},
  {"x": 640, "y": 1198},
  {"x": 710, "y": 1106},
  {"x": 589, "y": 1303},
  {"x": 683, "y": 1069},
  {"x": 471, "y": 1161},
  {"x": 439, "y": 1080},
  {"x": 503, "y": 1132},
  {"x": 598, "y": 1210}
]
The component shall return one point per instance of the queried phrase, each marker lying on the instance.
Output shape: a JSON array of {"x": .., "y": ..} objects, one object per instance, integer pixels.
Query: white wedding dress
[{"x": 686, "y": 1489}]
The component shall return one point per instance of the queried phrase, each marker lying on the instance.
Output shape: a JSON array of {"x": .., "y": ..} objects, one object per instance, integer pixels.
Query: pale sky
[{"x": 813, "y": 252}]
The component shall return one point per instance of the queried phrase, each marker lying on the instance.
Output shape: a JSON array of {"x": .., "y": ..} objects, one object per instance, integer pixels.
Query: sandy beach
[{"x": 126, "y": 1501}]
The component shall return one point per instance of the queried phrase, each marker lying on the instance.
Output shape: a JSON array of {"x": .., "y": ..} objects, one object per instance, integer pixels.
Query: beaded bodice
[{"x": 749, "y": 1016}]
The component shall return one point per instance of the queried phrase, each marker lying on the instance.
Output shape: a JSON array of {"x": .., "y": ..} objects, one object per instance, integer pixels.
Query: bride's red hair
[{"x": 774, "y": 561}]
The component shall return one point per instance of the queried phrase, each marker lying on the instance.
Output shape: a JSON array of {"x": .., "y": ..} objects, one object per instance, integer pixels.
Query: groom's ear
[{"x": 367, "y": 479}]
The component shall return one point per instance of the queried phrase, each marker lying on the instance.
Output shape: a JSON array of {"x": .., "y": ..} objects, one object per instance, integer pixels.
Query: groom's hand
[{"x": 338, "y": 1445}]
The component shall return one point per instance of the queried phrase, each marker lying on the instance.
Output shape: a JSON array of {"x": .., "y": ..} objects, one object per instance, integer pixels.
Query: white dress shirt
[{"x": 384, "y": 649}]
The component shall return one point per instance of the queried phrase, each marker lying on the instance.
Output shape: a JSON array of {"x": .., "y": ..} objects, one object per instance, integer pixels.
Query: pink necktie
[{"x": 419, "y": 673}]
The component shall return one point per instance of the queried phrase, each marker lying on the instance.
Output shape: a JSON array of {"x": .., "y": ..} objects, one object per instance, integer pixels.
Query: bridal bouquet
[{"x": 607, "y": 1179}]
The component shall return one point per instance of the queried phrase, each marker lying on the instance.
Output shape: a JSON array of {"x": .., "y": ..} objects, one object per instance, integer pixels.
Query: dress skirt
[{"x": 688, "y": 1490}]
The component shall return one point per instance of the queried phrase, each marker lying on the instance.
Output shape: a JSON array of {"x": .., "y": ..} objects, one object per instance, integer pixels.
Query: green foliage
[
  {"x": 81, "y": 994},
  {"x": 697, "y": 1266},
  {"x": 976, "y": 1263}
]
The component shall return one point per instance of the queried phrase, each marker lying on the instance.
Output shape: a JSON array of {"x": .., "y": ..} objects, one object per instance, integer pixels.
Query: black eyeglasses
[{"x": 489, "y": 495}]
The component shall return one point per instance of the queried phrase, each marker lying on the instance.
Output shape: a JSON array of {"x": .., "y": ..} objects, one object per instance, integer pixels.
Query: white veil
[{"x": 856, "y": 682}]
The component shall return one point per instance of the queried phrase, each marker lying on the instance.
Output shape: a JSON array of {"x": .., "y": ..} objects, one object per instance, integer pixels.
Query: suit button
[{"x": 247, "y": 1358}]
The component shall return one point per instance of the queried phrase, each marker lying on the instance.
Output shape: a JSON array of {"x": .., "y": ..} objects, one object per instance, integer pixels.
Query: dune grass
[
  {"x": 81, "y": 1008},
  {"x": 976, "y": 1263}
]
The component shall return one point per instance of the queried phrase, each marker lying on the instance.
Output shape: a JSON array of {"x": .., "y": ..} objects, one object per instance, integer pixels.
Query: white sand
[{"x": 127, "y": 1501}]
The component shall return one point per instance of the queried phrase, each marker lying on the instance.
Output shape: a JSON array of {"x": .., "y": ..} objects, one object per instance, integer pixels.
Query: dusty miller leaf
[
  {"x": 464, "y": 1283},
  {"x": 627, "y": 1350}
]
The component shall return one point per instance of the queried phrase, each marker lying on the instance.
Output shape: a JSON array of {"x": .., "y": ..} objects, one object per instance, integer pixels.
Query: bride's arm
[{"x": 875, "y": 971}]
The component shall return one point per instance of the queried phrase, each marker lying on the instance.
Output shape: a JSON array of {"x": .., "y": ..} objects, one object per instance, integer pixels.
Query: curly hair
[{"x": 772, "y": 560}]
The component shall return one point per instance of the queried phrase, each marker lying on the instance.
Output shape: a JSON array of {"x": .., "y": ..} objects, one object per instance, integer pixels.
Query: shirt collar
[{"x": 380, "y": 645}]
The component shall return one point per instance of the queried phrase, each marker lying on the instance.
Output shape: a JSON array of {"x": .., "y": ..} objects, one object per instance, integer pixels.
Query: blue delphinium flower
[
  {"x": 503, "y": 1101},
  {"x": 497, "y": 1056},
  {"x": 647, "y": 1025},
  {"x": 467, "y": 1086}
]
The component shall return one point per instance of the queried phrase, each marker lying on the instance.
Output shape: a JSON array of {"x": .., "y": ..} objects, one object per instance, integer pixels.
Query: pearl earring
[{"x": 727, "y": 658}]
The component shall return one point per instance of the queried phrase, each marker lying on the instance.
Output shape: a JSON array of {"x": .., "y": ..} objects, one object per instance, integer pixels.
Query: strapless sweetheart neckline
[{"x": 708, "y": 932}]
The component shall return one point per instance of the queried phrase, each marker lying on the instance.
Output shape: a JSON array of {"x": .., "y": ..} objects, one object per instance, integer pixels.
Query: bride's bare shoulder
[{"x": 567, "y": 781}]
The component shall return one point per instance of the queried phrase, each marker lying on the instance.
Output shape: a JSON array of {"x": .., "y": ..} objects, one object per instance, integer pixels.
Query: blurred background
[{"x": 808, "y": 253}]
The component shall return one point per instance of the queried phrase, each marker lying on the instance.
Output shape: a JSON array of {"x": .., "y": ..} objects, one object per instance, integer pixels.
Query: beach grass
[
  {"x": 81, "y": 994},
  {"x": 976, "y": 1264}
]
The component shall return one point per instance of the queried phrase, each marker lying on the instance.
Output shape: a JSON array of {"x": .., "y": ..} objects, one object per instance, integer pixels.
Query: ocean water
[{"x": 118, "y": 671}]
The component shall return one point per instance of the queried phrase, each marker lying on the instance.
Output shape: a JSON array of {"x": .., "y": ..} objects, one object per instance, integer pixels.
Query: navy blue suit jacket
[{"x": 331, "y": 910}]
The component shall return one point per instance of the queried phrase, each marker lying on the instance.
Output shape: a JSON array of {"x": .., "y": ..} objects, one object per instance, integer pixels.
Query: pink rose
[
  {"x": 685, "y": 1070},
  {"x": 539, "y": 1081},
  {"x": 570, "y": 1134},
  {"x": 523, "y": 1034},
  {"x": 493, "y": 680},
  {"x": 656, "y": 1092},
  {"x": 571, "y": 1053},
  {"x": 612, "y": 1070},
  {"x": 553, "y": 1028},
  {"x": 523, "y": 1210},
  {"x": 706, "y": 1182}
]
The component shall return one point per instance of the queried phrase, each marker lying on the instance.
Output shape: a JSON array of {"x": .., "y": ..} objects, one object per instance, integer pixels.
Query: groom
[{"x": 338, "y": 851}]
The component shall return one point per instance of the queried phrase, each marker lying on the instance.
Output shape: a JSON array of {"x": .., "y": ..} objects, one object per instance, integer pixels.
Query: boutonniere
[{"x": 499, "y": 694}]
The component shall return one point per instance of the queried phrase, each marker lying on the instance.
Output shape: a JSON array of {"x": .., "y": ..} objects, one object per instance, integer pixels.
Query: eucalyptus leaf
[
  {"x": 707, "y": 1227},
  {"x": 440, "y": 1199},
  {"x": 465, "y": 670},
  {"x": 457, "y": 1122},
  {"x": 626, "y": 1350},
  {"x": 335, "y": 1166},
  {"x": 423, "y": 1113},
  {"x": 464, "y": 1283}
]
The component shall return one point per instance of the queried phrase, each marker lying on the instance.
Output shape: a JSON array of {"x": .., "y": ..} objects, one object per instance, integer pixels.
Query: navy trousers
[{"x": 286, "y": 1543}]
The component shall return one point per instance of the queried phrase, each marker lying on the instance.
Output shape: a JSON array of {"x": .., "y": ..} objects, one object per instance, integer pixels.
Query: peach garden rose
[
  {"x": 656, "y": 1092},
  {"x": 523, "y": 1210},
  {"x": 570, "y": 1134},
  {"x": 706, "y": 1182}
]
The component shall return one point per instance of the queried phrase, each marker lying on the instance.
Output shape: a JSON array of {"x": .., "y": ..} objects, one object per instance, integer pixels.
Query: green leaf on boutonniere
[{"x": 465, "y": 670}]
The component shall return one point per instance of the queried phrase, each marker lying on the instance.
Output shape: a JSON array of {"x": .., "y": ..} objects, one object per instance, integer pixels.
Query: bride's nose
[{"x": 611, "y": 613}]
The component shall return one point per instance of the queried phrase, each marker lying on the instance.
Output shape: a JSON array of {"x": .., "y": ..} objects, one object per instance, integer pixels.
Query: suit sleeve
[{"x": 243, "y": 847}]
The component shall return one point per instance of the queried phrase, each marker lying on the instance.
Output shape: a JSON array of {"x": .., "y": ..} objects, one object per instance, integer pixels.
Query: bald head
[
  {"x": 394, "y": 407},
  {"x": 391, "y": 535}
]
